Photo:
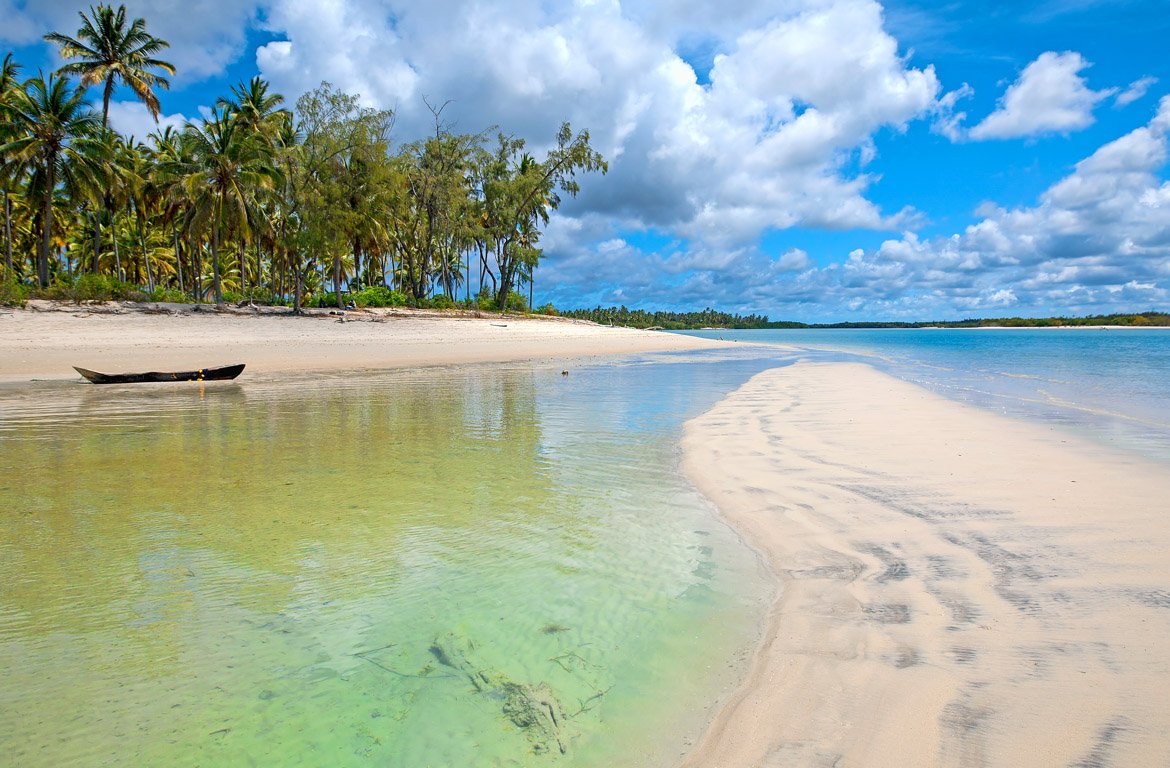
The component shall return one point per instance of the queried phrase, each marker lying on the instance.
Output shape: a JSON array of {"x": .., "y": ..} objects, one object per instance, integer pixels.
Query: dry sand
[
  {"x": 45, "y": 342},
  {"x": 954, "y": 588}
]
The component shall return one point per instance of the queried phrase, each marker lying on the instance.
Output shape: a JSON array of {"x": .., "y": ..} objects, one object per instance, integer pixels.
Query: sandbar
[{"x": 953, "y": 587}]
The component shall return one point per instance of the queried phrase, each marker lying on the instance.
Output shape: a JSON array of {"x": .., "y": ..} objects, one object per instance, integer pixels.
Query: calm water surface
[{"x": 404, "y": 569}]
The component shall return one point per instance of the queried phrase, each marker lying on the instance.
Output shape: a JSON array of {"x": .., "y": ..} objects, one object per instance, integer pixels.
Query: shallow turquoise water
[
  {"x": 403, "y": 569},
  {"x": 1110, "y": 385}
]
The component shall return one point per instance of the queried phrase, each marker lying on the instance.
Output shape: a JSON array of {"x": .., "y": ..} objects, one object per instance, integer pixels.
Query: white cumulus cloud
[{"x": 1050, "y": 96}]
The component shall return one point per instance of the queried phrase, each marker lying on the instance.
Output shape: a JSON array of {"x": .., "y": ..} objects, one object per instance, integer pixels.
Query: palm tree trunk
[
  {"x": 145, "y": 258},
  {"x": 337, "y": 280},
  {"x": 243, "y": 268},
  {"x": 507, "y": 269},
  {"x": 117, "y": 255},
  {"x": 298, "y": 283},
  {"x": 8, "y": 271},
  {"x": 46, "y": 226},
  {"x": 178, "y": 257},
  {"x": 97, "y": 241},
  {"x": 106, "y": 94},
  {"x": 215, "y": 265},
  {"x": 357, "y": 260},
  {"x": 196, "y": 268}
]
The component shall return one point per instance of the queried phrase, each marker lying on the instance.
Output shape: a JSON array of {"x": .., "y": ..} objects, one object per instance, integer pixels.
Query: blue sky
[{"x": 814, "y": 160}]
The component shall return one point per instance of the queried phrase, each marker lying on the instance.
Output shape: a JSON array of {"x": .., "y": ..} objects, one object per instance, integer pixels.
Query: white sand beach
[
  {"x": 954, "y": 588},
  {"x": 45, "y": 343}
]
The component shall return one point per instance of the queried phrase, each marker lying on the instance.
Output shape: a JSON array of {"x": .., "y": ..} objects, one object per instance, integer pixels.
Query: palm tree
[
  {"x": 255, "y": 108},
  {"x": 108, "y": 194},
  {"x": 110, "y": 52},
  {"x": 8, "y": 88},
  {"x": 54, "y": 128},
  {"x": 171, "y": 159},
  {"x": 228, "y": 167}
]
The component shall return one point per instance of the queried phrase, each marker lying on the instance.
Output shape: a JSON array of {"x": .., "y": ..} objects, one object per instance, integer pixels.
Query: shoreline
[
  {"x": 43, "y": 343},
  {"x": 953, "y": 587}
]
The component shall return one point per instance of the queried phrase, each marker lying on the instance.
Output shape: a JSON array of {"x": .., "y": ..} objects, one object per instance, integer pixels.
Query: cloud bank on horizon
[{"x": 808, "y": 159}]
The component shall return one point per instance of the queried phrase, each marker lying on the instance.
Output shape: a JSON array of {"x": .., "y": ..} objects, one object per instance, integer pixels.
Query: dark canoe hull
[{"x": 223, "y": 373}]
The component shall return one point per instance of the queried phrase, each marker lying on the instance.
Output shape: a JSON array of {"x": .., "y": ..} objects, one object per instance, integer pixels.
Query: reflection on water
[{"x": 489, "y": 567}]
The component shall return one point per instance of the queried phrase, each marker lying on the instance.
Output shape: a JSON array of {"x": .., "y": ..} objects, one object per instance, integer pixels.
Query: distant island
[{"x": 709, "y": 318}]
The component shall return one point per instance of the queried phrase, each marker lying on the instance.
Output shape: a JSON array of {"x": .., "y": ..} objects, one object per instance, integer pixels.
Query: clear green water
[{"x": 396, "y": 569}]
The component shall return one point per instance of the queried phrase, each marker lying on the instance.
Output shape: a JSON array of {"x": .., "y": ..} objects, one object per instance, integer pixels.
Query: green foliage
[
  {"x": 90, "y": 288},
  {"x": 172, "y": 295},
  {"x": 12, "y": 293},
  {"x": 547, "y": 309},
  {"x": 253, "y": 203},
  {"x": 442, "y": 301},
  {"x": 484, "y": 301},
  {"x": 232, "y": 297},
  {"x": 109, "y": 51},
  {"x": 674, "y": 321},
  {"x": 516, "y": 302},
  {"x": 378, "y": 296},
  {"x": 264, "y": 297},
  {"x": 709, "y": 318}
]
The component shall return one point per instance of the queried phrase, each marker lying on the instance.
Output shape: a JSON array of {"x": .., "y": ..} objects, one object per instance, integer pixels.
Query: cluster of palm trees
[{"x": 255, "y": 200}]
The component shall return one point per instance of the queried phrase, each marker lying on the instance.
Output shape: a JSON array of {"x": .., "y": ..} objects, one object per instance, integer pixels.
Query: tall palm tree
[
  {"x": 170, "y": 164},
  {"x": 255, "y": 108},
  {"x": 229, "y": 166},
  {"x": 8, "y": 88},
  {"x": 258, "y": 112},
  {"x": 109, "y": 52},
  {"x": 54, "y": 128},
  {"x": 107, "y": 144}
]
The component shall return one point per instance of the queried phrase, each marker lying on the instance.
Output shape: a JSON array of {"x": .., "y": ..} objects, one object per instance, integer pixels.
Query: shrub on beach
[
  {"x": 377, "y": 296},
  {"x": 486, "y": 302},
  {"x": 171, "y": 295},
  {"x": 12, "y": 294},
  {"x": 442, "y": 301},
  {"x": 516, "y": 302},
  {"x": 265, "y": 297},
  {"x": 90, "y": 287}
]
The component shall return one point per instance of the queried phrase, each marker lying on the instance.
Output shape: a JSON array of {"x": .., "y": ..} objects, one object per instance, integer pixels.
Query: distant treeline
[
  {"x": 709, "y": 318},
  {"x": 673, "y": 321}
]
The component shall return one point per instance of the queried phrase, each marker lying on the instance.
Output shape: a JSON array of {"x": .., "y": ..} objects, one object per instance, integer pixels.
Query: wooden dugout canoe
[{"x": 223, "y": 373}]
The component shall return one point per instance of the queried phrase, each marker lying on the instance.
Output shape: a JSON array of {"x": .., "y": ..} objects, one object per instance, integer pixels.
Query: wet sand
[
  {"x": 954, "y": 588},
  {"x": 44, "y": 343}
]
